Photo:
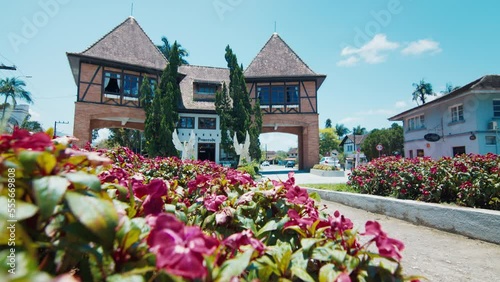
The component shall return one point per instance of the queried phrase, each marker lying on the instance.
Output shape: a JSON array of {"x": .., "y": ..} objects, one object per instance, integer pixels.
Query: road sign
[{"x": 379, "y": 147}]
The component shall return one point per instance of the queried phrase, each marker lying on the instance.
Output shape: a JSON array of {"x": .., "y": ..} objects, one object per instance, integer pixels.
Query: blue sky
[{"x": 371, "y": 50}]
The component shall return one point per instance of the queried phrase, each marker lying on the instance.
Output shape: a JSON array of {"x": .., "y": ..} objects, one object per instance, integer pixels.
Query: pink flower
[
  {"x": 343, "y": 277},
  {"x": 23, "y": 139},
  {"x": 222, "y": 215},
  {"x": 212, "y": 203},
  {"x": 387, "y": 247},
  {"x": 180, "y": 249},
  {"x": 244, "y": 238},
  {"x": 153, "y": 204},
  {"x": 200, "y": 182},
  {"x": 297, "y": 195},
  {"x": 297, "y": 220},
  {"x": 339, "y": 223}
]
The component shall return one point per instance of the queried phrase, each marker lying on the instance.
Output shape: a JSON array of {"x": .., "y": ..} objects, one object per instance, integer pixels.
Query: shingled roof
[
  {"x": 485, "y": 83},
  {"x": 199, "y": 74},
  {"x": 277, "y": 59},
  {"x": 128, "y": 43}
]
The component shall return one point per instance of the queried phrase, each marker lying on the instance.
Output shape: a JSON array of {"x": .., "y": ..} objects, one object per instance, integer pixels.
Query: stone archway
[
  {"x": 89, "y": 116},
  {"x": 305, "y": 126}
]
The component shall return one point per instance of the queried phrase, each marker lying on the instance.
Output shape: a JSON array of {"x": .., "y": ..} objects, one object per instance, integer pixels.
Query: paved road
[{"x": 436, "y": 255}]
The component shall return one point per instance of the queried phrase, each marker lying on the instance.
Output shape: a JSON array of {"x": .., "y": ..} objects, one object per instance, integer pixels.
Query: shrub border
[{"x": 328, "y": 173}]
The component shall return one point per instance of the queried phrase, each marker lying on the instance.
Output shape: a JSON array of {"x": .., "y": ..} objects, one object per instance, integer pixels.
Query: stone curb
[{"x": 479, "y": 224}]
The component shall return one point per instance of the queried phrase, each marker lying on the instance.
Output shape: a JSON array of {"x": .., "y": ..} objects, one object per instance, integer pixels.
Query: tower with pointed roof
[
  {"x": 286, "y": 88},
  {"x": 108, "y": 75}
]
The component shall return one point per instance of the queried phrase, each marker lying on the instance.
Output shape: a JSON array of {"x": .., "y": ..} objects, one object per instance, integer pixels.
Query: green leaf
[
  {"x": 28, "y": 159},
  {"x": 84, "y": 180},
  {"x": 246, "y": 222},
  {"x": 48, "y": 192},
  {"x": 302, "y": 274},
  {"x": 307, "y": 243},
  {"x": 125, "y": 278},
  {"x": 315, "y": 196},
  {"x": 170, "y": 208},
  {"x": 19, "y": 211},
  {"x": 282, "y": 254},
  {"x": 328, "y": 273},
  {"x": 98, "y": 215},
  {"x": 46, "y": 161},
  {"x": 269, "y": 226},
  {"x": 235, "y": 266}
]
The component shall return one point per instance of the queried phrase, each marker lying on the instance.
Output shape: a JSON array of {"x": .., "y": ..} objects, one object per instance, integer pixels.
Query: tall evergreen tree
[
  {"x": 255, "y": 130},
  {"x": 161, "y": 110},
  {"x": 223, "y": 108},
  {"x": 242, "y": 108}
]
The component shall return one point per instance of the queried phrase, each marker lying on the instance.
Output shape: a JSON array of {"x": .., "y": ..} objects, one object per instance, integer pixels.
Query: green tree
[
  {"x": 328, "y": 123},
  {"x": 223, "y": 108},
  {"x": 166, "y": 49},
  {"x": 422, "y": 90},
  {"x": 391, "y": 139},
  {"x": 125, "y": 137},
  {"x": 449, "y": 88},
  {"x": 255, "y": 130},
  {"x": 31, "y": 125},
  {"x": 14, "y": 88},
  {"x": 328, "y": 140},
  {"x": 161, "y": 110},
  {"x": 341, "y": 130},
  {"x": 242, "y": 108},
  {"x": 359, "y": 130}
]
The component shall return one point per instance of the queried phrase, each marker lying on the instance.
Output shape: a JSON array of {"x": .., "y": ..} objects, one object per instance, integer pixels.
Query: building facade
[
  {"x": 461, "y": 122},
  {"x": 109, "y": 73}
]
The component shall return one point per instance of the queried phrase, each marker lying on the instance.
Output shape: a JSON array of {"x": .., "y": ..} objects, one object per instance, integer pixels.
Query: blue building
[{"x": 461, "y": 122}]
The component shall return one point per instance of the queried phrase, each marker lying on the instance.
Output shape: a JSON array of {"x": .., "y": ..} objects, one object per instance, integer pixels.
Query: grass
[{"x": 339, "y": 187}]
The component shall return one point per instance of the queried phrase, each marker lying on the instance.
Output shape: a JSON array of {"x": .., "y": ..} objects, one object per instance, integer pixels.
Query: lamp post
[{"x": 55, "y": 126}]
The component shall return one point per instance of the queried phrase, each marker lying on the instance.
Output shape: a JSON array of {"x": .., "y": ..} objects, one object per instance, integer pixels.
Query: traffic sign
[{"x": 379, "y": 147}]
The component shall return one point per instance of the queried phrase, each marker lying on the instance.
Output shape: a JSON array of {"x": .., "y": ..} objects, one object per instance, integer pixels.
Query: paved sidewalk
[
  {"x": 304, "y": 177},
  {"x": 434, "y": 254}
]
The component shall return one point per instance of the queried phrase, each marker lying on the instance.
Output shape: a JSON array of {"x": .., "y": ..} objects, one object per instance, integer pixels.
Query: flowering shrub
[
  {"x": 84, "y": 216},
  {"x": 468, "y": 180},
  {"x": 325, "y": 167}
]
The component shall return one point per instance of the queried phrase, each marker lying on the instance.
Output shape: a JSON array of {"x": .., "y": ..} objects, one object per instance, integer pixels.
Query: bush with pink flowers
[
  {"x": 467, "y": 180},
  {"x": 117, "y": 216}
]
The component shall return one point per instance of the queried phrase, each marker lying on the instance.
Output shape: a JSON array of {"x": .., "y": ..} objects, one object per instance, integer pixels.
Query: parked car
[
  {"x": 330, "y": 161},
  {"x": 290, "y": 164},
  {"x": 265, "y": 163}
]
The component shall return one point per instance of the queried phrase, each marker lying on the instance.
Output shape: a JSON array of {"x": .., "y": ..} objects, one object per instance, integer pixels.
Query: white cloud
[
  {"x": 350, "y": 120},
  {"x": 400, "y": 104},
  {"x": 373, "y": 52},
  {"x": 349, "y": 62},
  {"x": 422, "y": 46},
  {"x": 376, "y": 112},
  {"x": 278, "y": 141}
]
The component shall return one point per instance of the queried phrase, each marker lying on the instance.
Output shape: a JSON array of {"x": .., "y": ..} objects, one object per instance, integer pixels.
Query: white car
[
  {"x": 265, "y": 163},
  {"x": 330, "y": 161}
]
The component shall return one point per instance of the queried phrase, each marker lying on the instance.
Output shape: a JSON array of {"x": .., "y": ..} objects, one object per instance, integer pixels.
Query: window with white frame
[
  {"x": 457, "y": 113},
  {"x": 416, "y": 122}
]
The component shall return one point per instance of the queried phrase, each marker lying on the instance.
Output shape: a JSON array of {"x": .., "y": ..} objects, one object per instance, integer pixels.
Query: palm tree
[
  {"x": 166, "y": 47},
  {"x": 422, "y": 89},
  {"x": 449, "y": 88},
  {"x": 341, "y": 130},
  {"x": 31, "y": 125},
  {"x": 359, "y": 130},
  {"x": 14, "y": 88}
]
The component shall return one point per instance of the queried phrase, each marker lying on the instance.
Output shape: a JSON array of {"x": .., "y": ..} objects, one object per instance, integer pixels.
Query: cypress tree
[
  {"x": 161, "y": 110},
  {"x": 224, "y": 110},
  {"x": 255, "y": 130},
  {"x": 242, "y": 109}
]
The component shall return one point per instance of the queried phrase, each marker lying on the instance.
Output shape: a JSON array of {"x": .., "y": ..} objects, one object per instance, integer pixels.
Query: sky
[{"x": 372, "y": 51}]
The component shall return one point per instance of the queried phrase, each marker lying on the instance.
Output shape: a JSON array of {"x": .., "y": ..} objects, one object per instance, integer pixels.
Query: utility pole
[
  {"x": 354, "y": 152},
  {"x": 55, "y": 126}
]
